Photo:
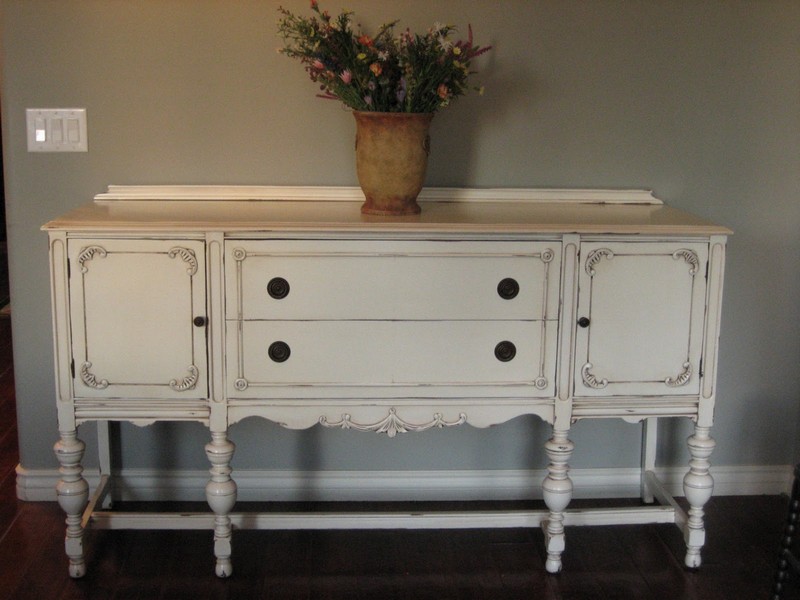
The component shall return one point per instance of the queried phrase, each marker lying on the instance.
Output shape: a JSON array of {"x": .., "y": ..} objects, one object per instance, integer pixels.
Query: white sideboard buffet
[{"x": 212, "y": 304}]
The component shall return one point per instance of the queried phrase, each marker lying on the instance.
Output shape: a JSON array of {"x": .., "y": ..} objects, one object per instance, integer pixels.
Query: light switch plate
[{"x": 57, "y": 130}]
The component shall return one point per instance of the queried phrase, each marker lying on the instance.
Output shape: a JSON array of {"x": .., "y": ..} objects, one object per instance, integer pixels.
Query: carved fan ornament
[
  {"x": 391, "y": 425},
  {"x": 593, "y": 381}
]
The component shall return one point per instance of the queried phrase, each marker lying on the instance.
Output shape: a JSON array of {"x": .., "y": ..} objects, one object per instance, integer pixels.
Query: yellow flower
[
  {"x": 361, "y": 56},
  {"x": 456, "y": 50}
]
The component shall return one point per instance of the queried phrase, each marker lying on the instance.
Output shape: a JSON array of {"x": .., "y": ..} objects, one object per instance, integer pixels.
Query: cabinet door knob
[
  {"x": 584, "y": 322},
  {"x": 505, "y": 351},
  {"x": 278, "y": 288},
  {"x": 279, "y": 351},
  {"x": 508, "y": 288},
  {"x": 199, "y": 321}
]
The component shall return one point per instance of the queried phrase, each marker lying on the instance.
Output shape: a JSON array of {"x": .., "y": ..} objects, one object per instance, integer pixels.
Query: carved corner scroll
[
  {"x": 690, "y": 256},
  {"x": 186, "y": 256},
  {"x": 391, "y": 425},
  {"x": 88, "y": 253},
  {"x": 187, "y": 383},
  {"x": 90, "y": 379},
  {"x": 682, "y": 378},
  {"x": 595, "y": 256},
  {"x": 590, "y": 379}
]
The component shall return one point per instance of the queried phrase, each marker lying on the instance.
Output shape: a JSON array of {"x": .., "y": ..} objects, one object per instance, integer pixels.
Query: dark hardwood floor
[{"x": 637, "y": 562}]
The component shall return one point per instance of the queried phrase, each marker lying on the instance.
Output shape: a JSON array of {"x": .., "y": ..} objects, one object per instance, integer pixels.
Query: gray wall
[{"x": 697, "y": 100}]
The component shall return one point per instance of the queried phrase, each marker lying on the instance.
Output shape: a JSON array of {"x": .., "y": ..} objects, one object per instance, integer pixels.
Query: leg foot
[
  {"x": 557, "y": 492},
  {"x": 697, "y": 486},
  {"x": 221, "y": 496},
  {"x": 73, "y": 496}
]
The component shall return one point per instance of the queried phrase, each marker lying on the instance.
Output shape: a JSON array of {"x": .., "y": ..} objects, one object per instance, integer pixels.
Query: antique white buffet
[{"x": 212, "y": 304}]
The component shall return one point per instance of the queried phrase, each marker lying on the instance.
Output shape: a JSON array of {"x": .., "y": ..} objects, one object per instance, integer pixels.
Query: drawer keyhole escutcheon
[
  {"x": 279, "y": 351},
  {"x": 278, "y": 288},
  {"x": 508, "y": 288},
  {"x": 505, "y": 351}
]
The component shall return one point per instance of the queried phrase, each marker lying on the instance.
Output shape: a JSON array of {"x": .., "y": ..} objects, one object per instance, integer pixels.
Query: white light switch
[{"x": 57, "y": 130}]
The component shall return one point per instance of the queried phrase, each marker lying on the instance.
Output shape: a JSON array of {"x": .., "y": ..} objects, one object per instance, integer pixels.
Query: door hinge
[
  {"x": 72, "y": 368},
  {"x": 708, "y": 262},
  {"x": 69, "y": 269},
  {"x": 701, "y": 368}
]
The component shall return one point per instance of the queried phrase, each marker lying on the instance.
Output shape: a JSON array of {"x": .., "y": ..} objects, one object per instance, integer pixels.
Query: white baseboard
[{"x": 261, "y": 485}]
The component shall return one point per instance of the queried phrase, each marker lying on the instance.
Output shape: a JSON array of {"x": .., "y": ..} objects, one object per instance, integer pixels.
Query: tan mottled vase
[{"x": 391, "y": 159}]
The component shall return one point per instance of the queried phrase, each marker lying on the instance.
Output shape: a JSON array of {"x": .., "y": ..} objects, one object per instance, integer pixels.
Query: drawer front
[
  {"x": 383, "y": 353},
  {"x": 330, "y": 280}
]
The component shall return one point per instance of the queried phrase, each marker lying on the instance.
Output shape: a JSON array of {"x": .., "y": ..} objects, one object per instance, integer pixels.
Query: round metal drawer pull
[
  {"x": 508, "y": 288},
  {"x": 199, "y": 321},
  {"x": 278, "y": 288},
  {"x": 584, "y": 322},
  {"x": 279, "y": 351},
  {"x": 505, "y": 351}
]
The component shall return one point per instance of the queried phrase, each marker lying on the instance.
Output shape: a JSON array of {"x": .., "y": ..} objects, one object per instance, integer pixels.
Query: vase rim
[{"x": 377, "y": 113}]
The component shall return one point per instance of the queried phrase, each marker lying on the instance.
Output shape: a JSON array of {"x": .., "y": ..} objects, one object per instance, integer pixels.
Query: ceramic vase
[{"x": 391, "y": 159}]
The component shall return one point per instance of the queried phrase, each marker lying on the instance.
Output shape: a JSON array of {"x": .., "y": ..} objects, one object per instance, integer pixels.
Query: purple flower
[{"x": 401, "y": 91}]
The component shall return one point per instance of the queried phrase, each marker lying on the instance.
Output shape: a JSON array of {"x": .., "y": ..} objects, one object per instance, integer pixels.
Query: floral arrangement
[{"x": 386, "y": 72}]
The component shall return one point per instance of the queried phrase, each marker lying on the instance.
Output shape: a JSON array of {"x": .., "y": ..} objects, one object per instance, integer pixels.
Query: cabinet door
[
  {"x": 641, "y": 311},
  {"x": 133, "y": 303}
]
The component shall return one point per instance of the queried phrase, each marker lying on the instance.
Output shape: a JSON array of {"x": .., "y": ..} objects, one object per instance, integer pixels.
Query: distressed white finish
[{"x": 162, "y": 311}]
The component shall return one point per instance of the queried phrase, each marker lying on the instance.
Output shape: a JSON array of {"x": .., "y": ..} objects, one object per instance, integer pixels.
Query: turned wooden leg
[
  {"x": 221, "y": 496},
  {"x": 73, "y": 496},
  {"x": 557, "y": 492},
  {"x": 697, "y": 486}
]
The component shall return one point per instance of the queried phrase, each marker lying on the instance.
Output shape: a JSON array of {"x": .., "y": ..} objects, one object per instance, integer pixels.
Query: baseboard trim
[{"x": 263, "y": 485}]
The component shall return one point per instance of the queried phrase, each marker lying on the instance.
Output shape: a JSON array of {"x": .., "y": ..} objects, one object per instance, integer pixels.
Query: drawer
[
  {"x": 387, "y": 353},
  {"x": 329, "y": 280}
]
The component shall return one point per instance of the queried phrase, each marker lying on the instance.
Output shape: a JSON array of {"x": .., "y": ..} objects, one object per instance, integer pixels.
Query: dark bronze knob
[
  {"x": 508, "y": 288},
  {"x": 199, "y": 321},
  {"x": 583, "y": 322},
  {"x": 505, "y": 351},
  {"x": 278, "y": 288},
  {"x": 279, "y": 351}
]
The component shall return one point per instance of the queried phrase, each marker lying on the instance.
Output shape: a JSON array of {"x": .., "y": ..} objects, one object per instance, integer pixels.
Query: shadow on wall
[{"x": 456, "y": 130}]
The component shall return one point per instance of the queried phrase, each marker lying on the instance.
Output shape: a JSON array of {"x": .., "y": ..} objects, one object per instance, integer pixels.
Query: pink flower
[
  {"x": 442, "y": 91},
  {"x": 317, "y": 64},
  {"x": 346, "y": 76}
]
